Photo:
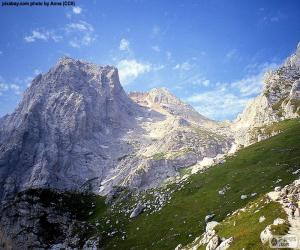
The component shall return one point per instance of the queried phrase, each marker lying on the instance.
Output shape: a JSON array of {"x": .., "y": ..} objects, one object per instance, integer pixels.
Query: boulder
[
  {"x": 213, "y": 243},
  {"x": 261, "y": 219},
  {"x": 137, "y": 211},
  {"x": 209, "y": 217},
  {"x": 225, "y": 244},
  {"x": 266, "y": 234},
  {"x": 206, "y": 237},
  {"x": 244, "y": 196},
  {"x": 277, "y": 189},
  {"x": 211, "y": 225},
  {"x": 278, "y": 221},
  {"x": 178, "y": 247}
]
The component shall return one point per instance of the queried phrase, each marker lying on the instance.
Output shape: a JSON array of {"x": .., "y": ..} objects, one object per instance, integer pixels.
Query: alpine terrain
[{"x": 84, "y": 165}]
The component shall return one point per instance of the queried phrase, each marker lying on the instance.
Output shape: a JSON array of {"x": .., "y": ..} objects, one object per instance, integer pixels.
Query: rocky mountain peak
[
  {"x": 163, "y": 96},
  {"x": 54, "y": 136}
]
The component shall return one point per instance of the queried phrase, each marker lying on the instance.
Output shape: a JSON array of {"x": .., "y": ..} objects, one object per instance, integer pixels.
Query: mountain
[
  {"x": 279, "y": 100},
  {"x": 77, "y": 129}
]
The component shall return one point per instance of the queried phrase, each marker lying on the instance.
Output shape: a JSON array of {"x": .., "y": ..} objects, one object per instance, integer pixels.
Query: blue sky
[{"x": 212, "y": 54}]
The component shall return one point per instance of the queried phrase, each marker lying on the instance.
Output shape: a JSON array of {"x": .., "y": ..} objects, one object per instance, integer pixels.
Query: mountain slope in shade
[{"x": 76, "y": 128}]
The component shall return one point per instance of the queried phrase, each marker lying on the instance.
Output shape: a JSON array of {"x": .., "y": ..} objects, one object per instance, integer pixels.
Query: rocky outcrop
[
  {"x": 279, "y": 100},
  {"x": 209, "y": 239},
  {"x": 41, "y": 219}
]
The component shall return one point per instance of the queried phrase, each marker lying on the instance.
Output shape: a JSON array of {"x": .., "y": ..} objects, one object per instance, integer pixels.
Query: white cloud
[
  {"x": 252, "y": 85},
  {"x": 229, "y": 99},
  {"x": 183, "y": 66},
  {"x": 77, "y": 10},
  {"x": 80, "y": 26},
  {"x": 4, "y": 87},
  {"x": 156, "y": 48},
  {"x": 124, "y": 44},
  {"x": 129, "y": 70},
  {"x": 43, "y": 35},
  {"x": 218, "y": 104},
  {"x": 81, "y": 34}
]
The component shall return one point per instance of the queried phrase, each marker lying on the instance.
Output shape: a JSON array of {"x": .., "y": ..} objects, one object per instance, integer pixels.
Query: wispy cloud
[
  {"x": 156, "y": 48},
  {"x": 129, "y": 70},
  {"x": 76, "y": 10},
  {"x": 124, "y": 45},
  {"x": 183, "y": 66},
  {"x": 77, "y": 34},
  {"x": 218, "y": 104},
  {"x": 80, "y": 33},
  {"x": 231, "y": 54},
  {"x": 229, "y": 99},
  {"x": 42, "y": 35},
  {"x": 5, "y": 87}
]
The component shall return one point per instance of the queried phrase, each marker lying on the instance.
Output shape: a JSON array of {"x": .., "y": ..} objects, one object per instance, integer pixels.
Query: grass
[
  {"x": 245, "y": 227},
  {"x": 172, "y": 155},
  {"x": 254, "y": 169}
]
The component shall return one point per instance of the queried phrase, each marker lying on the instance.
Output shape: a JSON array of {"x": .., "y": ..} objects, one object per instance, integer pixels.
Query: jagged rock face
[
  {"x": 76, "y": 128},
  {"x": 279, "y": 100},
  {"x": 55, "y": 135},
  {"x": 39, "y": 219}
]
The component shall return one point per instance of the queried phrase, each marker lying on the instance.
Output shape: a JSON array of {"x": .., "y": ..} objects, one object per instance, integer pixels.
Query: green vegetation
[
  {"x": 245, "y": 227},
  {"x": 210, "y": 135},
  {"x": 159, "y": 156},
  {"x": 171, "y": 155},
  {"x": 254, "y": 169}
]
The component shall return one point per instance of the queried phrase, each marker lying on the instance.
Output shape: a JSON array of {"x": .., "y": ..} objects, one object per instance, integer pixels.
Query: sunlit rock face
[
  {"x": 279, "y": 100},
  {"x": 76, "y": 128}
]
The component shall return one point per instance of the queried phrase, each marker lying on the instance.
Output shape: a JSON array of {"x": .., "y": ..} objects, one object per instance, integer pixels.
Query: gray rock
[
  {"x": 209, "y": 217},
  {"x": 137, "y": 211},
  {"x": 213, "y": 243},
  {"x": 225, "y": 244},
  {"x": 211, "y": 225}
]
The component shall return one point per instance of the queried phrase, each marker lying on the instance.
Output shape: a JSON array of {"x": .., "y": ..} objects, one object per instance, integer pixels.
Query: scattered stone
[
  {"x": 243, "y": 196},
  {"x": 213, "y": 243},
  {"x": 262, "y": 219},
  {"x": 277, "y": 189},
  {"x": 225, "y": 244},
  {"x": 209, "y": 217},
  {"x": 279, "y": 221},
  {"x": 266, "y": 234}
]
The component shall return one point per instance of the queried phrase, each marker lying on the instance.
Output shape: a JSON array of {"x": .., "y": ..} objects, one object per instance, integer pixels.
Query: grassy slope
[
  {"x": 245, "y": 227},
  {"x": 254, "y": 169}
]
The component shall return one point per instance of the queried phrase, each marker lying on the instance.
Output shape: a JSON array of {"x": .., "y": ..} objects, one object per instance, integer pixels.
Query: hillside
[{"x": 253, "y": 171}]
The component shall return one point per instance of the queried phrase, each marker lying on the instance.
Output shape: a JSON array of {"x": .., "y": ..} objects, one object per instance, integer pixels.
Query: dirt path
[{"x": 294, "y": 221}]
